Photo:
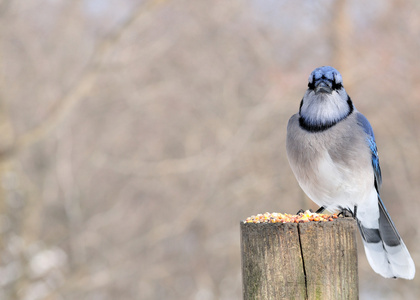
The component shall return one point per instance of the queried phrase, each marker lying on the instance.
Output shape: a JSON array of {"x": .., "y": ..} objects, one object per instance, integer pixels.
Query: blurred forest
[{"x": 135, "y": 135}]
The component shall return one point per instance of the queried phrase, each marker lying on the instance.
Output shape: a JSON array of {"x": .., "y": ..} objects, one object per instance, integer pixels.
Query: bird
[{"x": 332, "y": 152}]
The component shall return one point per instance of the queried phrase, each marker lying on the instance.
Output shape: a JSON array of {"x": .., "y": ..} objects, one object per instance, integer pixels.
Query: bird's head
[
  {"x": 325, "y": 80},
  {"x": 326, "y": 101}
]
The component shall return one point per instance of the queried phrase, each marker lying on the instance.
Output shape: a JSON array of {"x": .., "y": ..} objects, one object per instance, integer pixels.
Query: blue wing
[{"x": 362, "y": 121}]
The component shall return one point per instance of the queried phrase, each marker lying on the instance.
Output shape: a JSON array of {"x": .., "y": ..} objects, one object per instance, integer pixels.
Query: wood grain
[{"x": 314, "y": 260}]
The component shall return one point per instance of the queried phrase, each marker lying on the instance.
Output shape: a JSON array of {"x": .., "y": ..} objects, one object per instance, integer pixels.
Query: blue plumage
[
  {"x": 362, "y": 121},
  {"x": 375, "y": 162}
]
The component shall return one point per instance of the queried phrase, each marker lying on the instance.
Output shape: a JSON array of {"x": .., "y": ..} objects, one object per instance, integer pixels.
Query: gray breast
[{"x": 345, "y": 143}]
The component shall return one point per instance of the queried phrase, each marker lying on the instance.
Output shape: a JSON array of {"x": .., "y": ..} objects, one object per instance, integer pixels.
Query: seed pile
[{"x": 304, "y": 217}]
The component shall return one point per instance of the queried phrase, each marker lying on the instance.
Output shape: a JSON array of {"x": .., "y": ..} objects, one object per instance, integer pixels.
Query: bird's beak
[{"x": 323, "y": 87}]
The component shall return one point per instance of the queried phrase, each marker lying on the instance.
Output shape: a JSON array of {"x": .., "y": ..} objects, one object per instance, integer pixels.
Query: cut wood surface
[{"x": 313, "y": 260}]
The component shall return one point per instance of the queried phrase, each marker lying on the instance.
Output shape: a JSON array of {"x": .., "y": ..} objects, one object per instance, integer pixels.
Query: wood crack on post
[
  {"x": 314, "y": 260},
  {"x": 303, "y": 264}
]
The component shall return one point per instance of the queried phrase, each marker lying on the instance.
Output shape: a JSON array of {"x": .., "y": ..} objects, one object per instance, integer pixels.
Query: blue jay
[{"x": 332, "y": 152}]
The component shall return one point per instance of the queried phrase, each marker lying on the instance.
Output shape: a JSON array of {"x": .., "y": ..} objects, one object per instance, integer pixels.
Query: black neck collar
[{"x": 304, "y": 124}]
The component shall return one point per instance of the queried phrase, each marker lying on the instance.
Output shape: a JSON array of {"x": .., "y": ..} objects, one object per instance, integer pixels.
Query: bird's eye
[
  {"x": 337, "y": 82},
  {"x": 336, "y": 85},
  {"x": 311, "y": 83}
]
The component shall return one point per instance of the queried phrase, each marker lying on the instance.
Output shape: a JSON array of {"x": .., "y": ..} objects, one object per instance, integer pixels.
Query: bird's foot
[{"x": 345, "y": 212}]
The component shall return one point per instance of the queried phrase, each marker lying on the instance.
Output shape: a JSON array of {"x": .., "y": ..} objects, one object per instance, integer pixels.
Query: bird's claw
[
  {"x": 346, "y": 212},
  {"x": 300, "y": 211}
]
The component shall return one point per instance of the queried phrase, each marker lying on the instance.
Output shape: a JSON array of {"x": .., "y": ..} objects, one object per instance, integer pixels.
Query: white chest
[{"x": 335, "y": 184}]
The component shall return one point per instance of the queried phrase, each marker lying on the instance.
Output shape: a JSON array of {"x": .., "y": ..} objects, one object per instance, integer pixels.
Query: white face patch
[{"x": 324, "y": 108}]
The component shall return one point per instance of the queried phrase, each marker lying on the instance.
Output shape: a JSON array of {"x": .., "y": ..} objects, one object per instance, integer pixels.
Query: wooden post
[{"x": 314, "y": 260}]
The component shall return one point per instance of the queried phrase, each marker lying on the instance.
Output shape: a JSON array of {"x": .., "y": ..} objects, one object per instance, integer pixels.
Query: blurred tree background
[{"x": 135, "y": 135}]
